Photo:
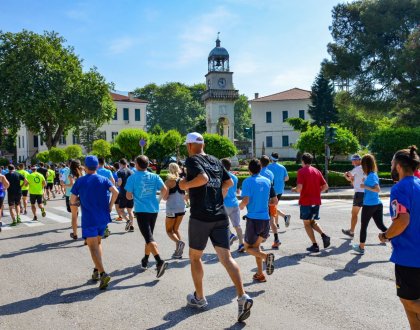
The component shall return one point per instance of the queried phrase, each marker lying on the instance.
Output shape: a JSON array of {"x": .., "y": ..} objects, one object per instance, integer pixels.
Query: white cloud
[
  {"x": 300, "y": 77},
  {"x": 121, "y": 45}
]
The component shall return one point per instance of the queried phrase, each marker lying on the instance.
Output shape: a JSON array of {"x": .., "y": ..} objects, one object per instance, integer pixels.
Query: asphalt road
[{"x": 45, "y": 281}]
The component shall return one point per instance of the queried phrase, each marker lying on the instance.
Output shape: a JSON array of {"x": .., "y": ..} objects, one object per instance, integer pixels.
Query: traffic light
[{"x": 331, "y": 134}]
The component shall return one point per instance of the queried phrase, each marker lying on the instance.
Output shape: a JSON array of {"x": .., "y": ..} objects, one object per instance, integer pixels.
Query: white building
[
  {"x": 269, "y": 115},
  {"x": 131, "y": 113}
]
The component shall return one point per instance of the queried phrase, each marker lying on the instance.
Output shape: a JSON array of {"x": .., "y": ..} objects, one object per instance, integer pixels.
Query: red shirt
[
  {"x": 417, "y": 173},
  {"x": 311, "y": 180}
]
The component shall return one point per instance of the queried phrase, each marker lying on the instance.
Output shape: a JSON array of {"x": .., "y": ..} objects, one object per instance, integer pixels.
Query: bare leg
[
  {"x": 12, "y": 212},
  {"x": 309, "y": 230},
  {"x": 255, "y": 250},
  {"x": 273, "y": 225},
  {"x": 151, "y": 248},
  {"x": 354, "y": 213},
  {"x": 170, "y": 224},
  {"x": 130, "y": 215},
  {"x": 412, "y": 309},
  {"x": 239, "y": 234},
  {"x": 33, "y": 208},
  {"x": 74, "y": 215},
  {"x": 177, "y": 225},
  {"x": 197, "y": 272},
  {"x": 95, "y": 248},
  {"x": 232, "y": 268},
  {"x": 316, "y": 227}
]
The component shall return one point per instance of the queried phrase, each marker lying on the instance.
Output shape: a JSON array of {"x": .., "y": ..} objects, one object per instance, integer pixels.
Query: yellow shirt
[{"x": 36, "y": 181}]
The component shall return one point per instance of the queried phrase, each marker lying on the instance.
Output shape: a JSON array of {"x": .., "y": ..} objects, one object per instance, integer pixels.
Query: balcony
[{"x": 220, "y": 94}]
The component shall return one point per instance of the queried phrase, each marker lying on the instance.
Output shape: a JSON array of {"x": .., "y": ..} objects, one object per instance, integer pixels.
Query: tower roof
[{"x": 218, "y": 52}]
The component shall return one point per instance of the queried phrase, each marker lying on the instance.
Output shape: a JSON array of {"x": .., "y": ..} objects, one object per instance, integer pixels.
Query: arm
[
  {"x": 397, "y": 227},
  {"x": 119, "y": 182},
  {"x": 375, "y": 188},
  {"x": 244, "y": 202},
  {"x": 164, "y": 192},
  {"x": 298, "y": 188},
  {"x": 198, "y": 181},
  {"x": 225, "y": 186},
  {"x": 73, "y": 200},
  {"x": 286, "y": 178},
  {"x": 349, "y": 177},
  {"x": 324, "y": 187},
  {"x": 6, "y": 183},
  {"x": 114, "y": 197},
  {"x": 111, "y": 178}
]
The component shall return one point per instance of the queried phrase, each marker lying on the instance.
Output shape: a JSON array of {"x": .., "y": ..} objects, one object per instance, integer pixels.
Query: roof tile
[{"x": 291, "y": 94}]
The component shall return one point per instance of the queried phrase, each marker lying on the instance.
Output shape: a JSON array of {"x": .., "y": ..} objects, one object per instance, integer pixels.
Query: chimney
[
  {"x": 257, "y": 95},
  {"x": 130, "y": 95}
]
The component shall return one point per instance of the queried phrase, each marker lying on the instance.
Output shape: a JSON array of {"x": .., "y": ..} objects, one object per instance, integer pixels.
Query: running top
[
  {"x": 259, "y": 190},
  {"x": 311, "y": 180},
  {"x": 230, "y": 199},
  {"x": 50, "y": 176},
  {"x": 25, "y": 175},
  {"x": 371, "y": 197},
  {"x": 358, "y": 176},
  {"x": 280, "y": 173},
  {"x": 35, "y": 180},
  {"x": 265, "y": 172},
  {"x": 175, "y": 202},
  {"x": 14, "y": 179}
]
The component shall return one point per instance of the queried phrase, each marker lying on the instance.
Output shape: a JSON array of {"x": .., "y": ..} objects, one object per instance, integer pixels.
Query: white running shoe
[
  {"x": 197, "y": 303},
  {"x": 244, "y": 307}
]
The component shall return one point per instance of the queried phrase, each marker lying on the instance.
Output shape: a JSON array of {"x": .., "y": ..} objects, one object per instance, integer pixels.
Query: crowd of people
[{"x": 211, "y": 189}]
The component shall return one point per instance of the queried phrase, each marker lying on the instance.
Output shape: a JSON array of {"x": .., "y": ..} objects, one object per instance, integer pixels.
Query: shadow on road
[
  {"x": 216, "y": 300},
  {"x": 38, "y": 233}
]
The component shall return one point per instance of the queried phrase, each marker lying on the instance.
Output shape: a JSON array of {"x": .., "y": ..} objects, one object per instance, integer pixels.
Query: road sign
[{"x": 142, "y": 142}]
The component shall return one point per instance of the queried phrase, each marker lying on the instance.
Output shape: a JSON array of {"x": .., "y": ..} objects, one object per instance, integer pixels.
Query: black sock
[
  {"x": 102, "y": 274},
  {"x": 95, "y": 270},
  {"x": 158, "y": 259},
  {"x": 276, "y": 236},
  {"x": 323, "y": 235},
  {"x": 315, "y": 244},
  {"x": 146, "y": 257}
]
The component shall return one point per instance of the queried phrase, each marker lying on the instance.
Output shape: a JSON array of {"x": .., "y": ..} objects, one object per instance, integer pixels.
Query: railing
[{"x": 218, "y": 94}]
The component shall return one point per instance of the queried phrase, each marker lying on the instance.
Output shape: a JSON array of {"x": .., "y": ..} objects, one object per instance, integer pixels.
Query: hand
[
  {"x": 362, "y": 185},
  {"x": 382, "y": 238},
  {"x": 183, "y": 184},
  {"x": 293, "y": 189},
  {"x": 241, "y": 206}
]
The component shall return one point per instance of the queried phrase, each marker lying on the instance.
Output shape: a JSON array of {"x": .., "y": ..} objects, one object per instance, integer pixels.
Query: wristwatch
[{"x": 385, "y": 237}]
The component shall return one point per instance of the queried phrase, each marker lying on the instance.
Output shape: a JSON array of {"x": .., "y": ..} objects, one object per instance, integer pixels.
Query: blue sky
[{"x": 274, "y": 45}]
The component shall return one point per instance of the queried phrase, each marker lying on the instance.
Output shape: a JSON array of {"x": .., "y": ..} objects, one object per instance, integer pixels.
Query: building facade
[
  {"x": 131, "y": 113},
  {"x": 269, "y": 115}
]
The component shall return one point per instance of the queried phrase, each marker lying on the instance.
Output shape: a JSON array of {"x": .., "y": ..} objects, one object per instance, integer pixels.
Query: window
[
  {"x": 285, "y": 140},
  {"x": 302, "y": 114},
  {"x": 125, "y": 114},
  {"x": 269, "y": 141},
  {"x": 114, "y": 135},
  {"x": 62, "y": 139},
  {"x": 116, "y": 115},
  {"x": 23, "y": 142},
  {"x": 102, "y": 135},
  {"x": 76, "y": 139},
  {"x": 19, "y": 141},
  {"x": 35, "y": 141},
  {"x": 137, "y": 114},
  {"x": 268, "y": 117},
  {"x": 285, "y": 115}
]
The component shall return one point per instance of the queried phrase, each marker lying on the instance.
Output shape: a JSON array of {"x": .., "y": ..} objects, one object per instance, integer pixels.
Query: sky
[{"x": 274, "y": 45}]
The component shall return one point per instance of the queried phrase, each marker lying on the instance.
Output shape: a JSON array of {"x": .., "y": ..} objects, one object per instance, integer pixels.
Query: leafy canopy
[
  {"x": 219, "y": 146},
  {"x": 74, "y": 151},
  {"x": 128, "y": 140},
  {"x": 101, "y": 148},
  {"x": 57, "y": 155}
]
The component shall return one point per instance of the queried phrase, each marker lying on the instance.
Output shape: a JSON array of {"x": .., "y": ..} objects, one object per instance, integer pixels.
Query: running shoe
[
  {"x": 131, "y": 229},
  {"x": 278, "y": 226},
  {"x": 144, "y": 263},
  {"x": 160, "y": 268},
  {"x": 105, "y": 278},
  {"x": 232, "y": 238},
  {"x": 180, "y": 248},
  {"x": 241, "y": 248},
  {"x": 73, "y": 236},
  {"x": 18, "y": 220},
  {"x": 244, "y": 307},
  {"x": 95, "y": 275},
  {"x": 175, "y": 255},
  {"x": 276, "y": 244},
  {"x": 326, "y": 240},
  {"x": 269, "y": 264},
  {"x": 107, "y": 232},
  {"x": 53, "y": 195},
  {"x": 287, "y": 220},
  {"x": 357, "y": 248},
  {"x": 313, "y": 248},
  {"x": 25, "y": 213},
  {"x": 1, "y": 225},
  {"x": 127, "y": 225},
  {"x": 119, "y": 219},
  {"x": 347, "y": 232},
  {"x": 35, "y": 218},
  {"x": 45, "y": 202},
  {"x": 14, "y": 223},
  {"x": 194, "y": 302},
  {"x": 43, "y": 213},
  {"x": 259, "y": 278}
]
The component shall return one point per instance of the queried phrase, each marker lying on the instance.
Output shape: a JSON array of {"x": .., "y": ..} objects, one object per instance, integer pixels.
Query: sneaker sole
[
  {"x": 328, "y": 244},
  {"x": 247, "y": 311},
  {"x": 162, "y": 269},
  {"x": 347, "y": 234},
  {"x": 104, "y": 284},
  {"x": 269, "y": 268},
  {"x": 197, "y": 306}
]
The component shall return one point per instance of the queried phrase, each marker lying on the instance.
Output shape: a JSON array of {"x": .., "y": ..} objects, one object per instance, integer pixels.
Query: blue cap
[
  {"x": 355, "y": 157},
  {"x": 91, "y": 162}
]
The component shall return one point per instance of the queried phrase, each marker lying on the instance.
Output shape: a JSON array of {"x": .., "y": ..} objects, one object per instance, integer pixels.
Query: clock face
[{"x": 221, "y": 82}]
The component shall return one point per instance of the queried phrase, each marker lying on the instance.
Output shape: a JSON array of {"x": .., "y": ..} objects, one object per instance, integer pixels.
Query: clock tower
[{"x": 220, "y": 95}]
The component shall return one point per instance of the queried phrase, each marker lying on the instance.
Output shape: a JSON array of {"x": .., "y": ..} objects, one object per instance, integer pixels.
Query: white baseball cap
[{"x": 194, "y": 138}]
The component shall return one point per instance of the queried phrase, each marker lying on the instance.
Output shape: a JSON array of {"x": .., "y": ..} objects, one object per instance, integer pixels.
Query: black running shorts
[
  {"x": 200, "y": 231},
  {"x": 35, "y": 199},
  {"x": 255, "y": 229},
  {"x": 407, "y": 280},
  {"x": 146, "y": 222},
  {"x": 14, "y": 199},
  {"x": 50, "y": 185},
  {"x": 25, "y": 193},
  {"x": 1, "y": 202},
  {"x": 358, "y": 199},
  {"x": 123, "y": 202}
]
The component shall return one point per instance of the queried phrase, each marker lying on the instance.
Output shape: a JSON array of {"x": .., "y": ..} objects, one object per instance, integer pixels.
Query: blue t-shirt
[
  {"x": 280, "y": 173},
  {"x": 257, "y": 189},
  {"x": 406, "y": 246},
  {"x": 230, "y": 199},
  {"x": 370, "y": 197},
  {"x": 2, "y": 190},
  {"x": 92, "y": 190},
  {"x": 143, "y": 185},
  {"x": 266, "y": 173},
  {"x": 104, "y": 172}
]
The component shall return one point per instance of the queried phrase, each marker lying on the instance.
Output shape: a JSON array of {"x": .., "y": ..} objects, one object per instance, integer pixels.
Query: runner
[
  {"x": 4, "y": 184},
  {"x": 117, "y": 208},
  {"x": 36, "y": 191},
  {"x": 25, "y": 188},
  {"x": 43, "y": 170},
  {"x": 106, "y": 174},
  {"x": 50, "y": 182},
  {"x": 14, "y": 193},
  {"x": 64, "y": 172},
  {"x": 76, "y": 171},
  {"x": 404, "y": 231},
  {"x": 372, "y": 205},
  {"x": 356, "y": 177},
  {"x": 206, "y": 179},
  {"x": 280, "y": 177},
  {"x": 92, "y": 190},
  {"x": 232, "y": 206},
  {"x": 265, "y": 172},
  {"x": 310, "y": 184},
  {"x": 123, "y": 203},
  {"x": 57, "y": 188},
  {"x": 175, "y": 209},
  {"x": 257, "y": 193},
  {"x": 142, "y": 187}
]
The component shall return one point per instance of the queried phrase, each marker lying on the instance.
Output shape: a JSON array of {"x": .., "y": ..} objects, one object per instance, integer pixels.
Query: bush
[
  {"x": 57, "y": 155},
  {"x": 128, "y": 139},
  {"x": 116, "y": 153},
  {"x": 74, "y": 151},
  {"x": 4, "y": 161},
  {"x": 101, "y": 148},
  {"x": 43, "y": 156},
  {"x": 387, "y": 141},
  {"x": 219, "y": 146}
]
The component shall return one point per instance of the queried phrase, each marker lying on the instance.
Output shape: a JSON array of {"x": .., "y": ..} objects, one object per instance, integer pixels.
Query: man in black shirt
[
  {"x": 43, "y": 170},
  {"x": 14, "y": 193},
  {"x": 207, "y": 181},
  {"x": 123, "y": 203}
]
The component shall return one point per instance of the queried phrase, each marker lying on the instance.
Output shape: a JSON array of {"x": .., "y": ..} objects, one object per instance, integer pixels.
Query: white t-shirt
[{"x": 358, "y": 175}]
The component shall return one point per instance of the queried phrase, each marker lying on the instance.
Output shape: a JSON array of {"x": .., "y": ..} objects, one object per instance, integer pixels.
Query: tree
[
  {"x": 376, "y": 52},
  {"x": 299, "y": 124},
  {"x": 173, "y": 106},
  {"x": 128, "y": 139},
  {"x": 116, "y": 153},
  {"x": 322, "y": 108},
  {"x": 164, "y": 146},
  {"x": 219, "y": 146},
  {"x": 43, "y": 86},
  {"x": 88, "y": 133},
  {"x": 43, "y": 156},
  {"x": 74, "y": 151},
  {"x": 242, "y": 112},
  {"x": 101, "y": 148},
  {"x": 57, "y": 155}
]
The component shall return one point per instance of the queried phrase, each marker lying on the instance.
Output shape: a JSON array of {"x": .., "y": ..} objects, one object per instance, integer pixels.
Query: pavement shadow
[
  {"x": 38, "y": 233},
  {"x": 351, "y": 268},
  {"x": 216, "y": 300}
]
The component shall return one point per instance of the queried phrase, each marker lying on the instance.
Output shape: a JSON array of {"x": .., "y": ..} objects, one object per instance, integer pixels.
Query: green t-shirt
[
  {"x": 25, "y": 175},
  {"x": 35, "y": 180},
  {"x": 50, "y": 176}
]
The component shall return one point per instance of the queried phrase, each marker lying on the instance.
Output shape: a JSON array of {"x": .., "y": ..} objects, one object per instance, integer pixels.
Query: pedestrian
[
  {"x": 123, "y": 203},
  {"x": 36, "y": 191},
  {"x": 372, "y": 205},
  {"x": 4, "y": 184},
  {"x": 280, "y": 177},
  {"x": 43, "y": 170},
  {"x": 404, "y": 231},
  {"x": 310, "y": 184},
  {"x": 106, "y": 173},
  {"x": 356, "y": 177},
  {"x": 25, "y": 188},
  {"x": 76, "y": 172},
  {"x": 175, "y": 209},
  {"x": 14, "y": 193},
  {"x": 117, "y": 208},
  {"x": 257, "y": 193},
  {"x": 56, "y": 182},
  {"x": 91, "y": 193},
  {"x": 142, "y": 187},
  {"x": 232, "y": 206},
  {"x": 50, "y": 181},
  {"x": 206, "y": 179}
]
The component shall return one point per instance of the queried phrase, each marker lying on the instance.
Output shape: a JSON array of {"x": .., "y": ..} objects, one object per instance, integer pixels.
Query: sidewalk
[{"x": 335, "y": 193}]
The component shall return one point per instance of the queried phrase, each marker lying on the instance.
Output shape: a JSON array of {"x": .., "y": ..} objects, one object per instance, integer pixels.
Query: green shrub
[
  {"x": 74, "y": 151},
  {"x": 4, "y": 161},
  {"x": 43, "y": 156}
]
